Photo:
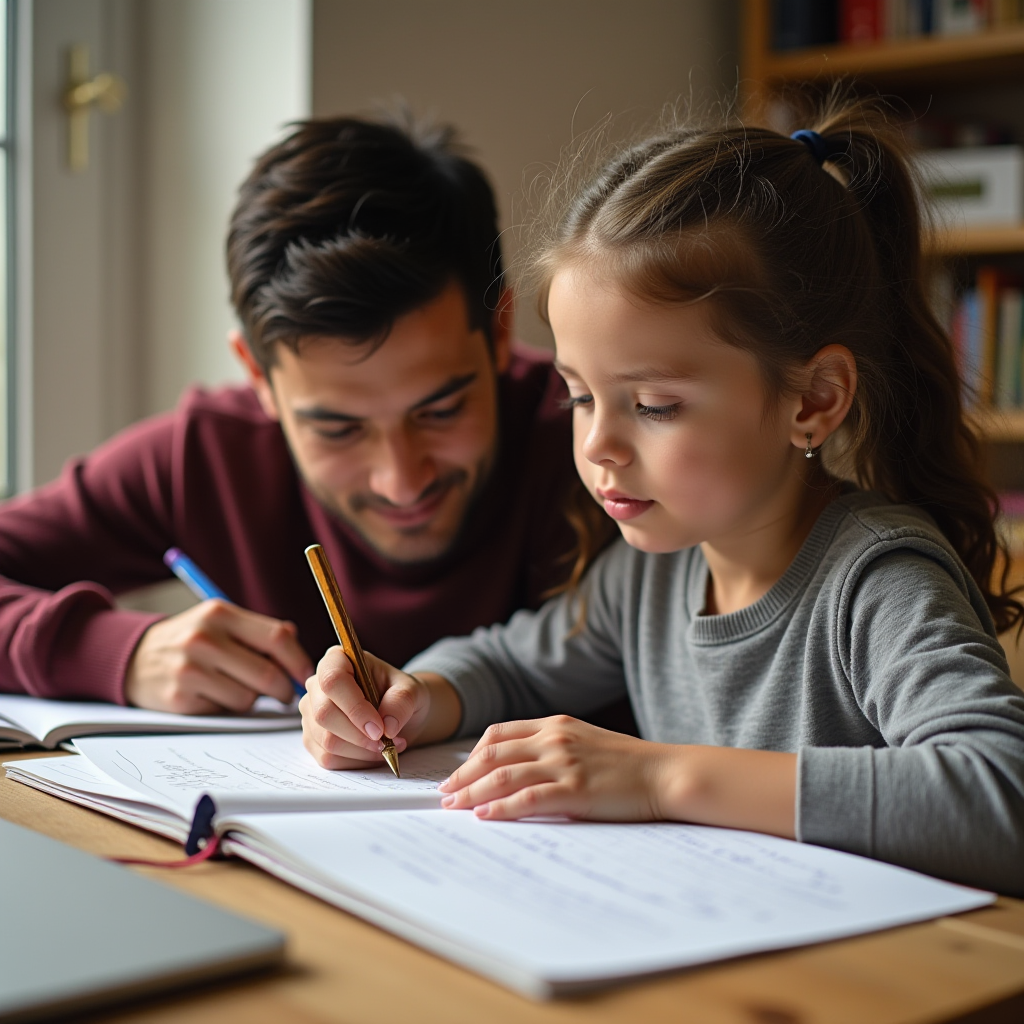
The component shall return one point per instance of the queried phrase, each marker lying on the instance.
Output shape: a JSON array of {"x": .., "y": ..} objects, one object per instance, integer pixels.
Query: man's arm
[{"x": 67, "y": 548}]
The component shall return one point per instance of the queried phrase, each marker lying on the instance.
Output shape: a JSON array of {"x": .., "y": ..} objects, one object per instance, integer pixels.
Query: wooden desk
[{"x": 969, "y": 968}]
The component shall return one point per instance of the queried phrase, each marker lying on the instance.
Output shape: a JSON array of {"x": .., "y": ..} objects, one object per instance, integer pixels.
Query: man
[{"x": 387, "y": 416}]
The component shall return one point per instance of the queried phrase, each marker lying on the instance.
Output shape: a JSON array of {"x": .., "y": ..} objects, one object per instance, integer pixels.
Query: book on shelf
[
  {"x": 987, "y": 329},
  {"x": 797, "y": 24},
  {"x": 800, "y": 23},
  {"x": 543, "y": 906},
  {"x": 1010, "y": 522},
  {"x": 861, "y": 21}
]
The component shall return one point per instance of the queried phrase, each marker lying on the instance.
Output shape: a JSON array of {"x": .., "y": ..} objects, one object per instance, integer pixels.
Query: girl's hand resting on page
[
  {"x": 560, "y": 766},
  {"x": 342, "y": 729},
  {"x": 563, "y": 766}
]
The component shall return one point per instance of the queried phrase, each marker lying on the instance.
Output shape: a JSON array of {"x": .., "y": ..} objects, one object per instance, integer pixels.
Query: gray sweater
[{"x": 874, "y": 658}]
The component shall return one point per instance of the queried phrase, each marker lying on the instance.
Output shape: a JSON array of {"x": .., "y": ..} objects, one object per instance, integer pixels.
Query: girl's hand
[
  {"x": 342, "y": 729},
  {"x": 559, "y": 766},
  {"x": 562, "y": 766}
]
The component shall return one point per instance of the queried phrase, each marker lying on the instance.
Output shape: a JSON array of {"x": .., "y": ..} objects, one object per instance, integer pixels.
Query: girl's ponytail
[{"x": 915, "y": 446}]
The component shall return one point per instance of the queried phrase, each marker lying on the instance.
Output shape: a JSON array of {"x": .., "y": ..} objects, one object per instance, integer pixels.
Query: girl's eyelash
[
  {"x": 658, "y": 412},
  {"x": 575, "y": 400},
  {"x": 651, "y": 412}
]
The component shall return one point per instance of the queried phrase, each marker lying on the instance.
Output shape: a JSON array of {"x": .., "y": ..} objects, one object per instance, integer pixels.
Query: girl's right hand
[{"x": 342, "y": 729}]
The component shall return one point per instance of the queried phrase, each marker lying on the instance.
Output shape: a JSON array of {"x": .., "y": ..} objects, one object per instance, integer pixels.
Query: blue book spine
[
  {"x": 800, "y": 23},
  {"x": 927, "y": 15},
  {"x": 972, "y": 346}
]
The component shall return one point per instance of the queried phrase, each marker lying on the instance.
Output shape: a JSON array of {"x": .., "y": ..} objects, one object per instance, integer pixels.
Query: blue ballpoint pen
[{"x": 203, "y": 587}]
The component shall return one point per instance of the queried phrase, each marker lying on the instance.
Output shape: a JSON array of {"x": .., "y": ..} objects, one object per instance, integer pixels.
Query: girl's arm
[{"x": 942, "y": 791}]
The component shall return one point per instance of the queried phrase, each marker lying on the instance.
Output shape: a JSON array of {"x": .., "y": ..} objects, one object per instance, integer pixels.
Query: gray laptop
[{"x": 77, "y": 932}]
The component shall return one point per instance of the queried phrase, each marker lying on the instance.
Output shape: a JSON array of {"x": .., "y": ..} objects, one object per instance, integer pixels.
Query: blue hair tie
[{"x": 818, "y": 147}]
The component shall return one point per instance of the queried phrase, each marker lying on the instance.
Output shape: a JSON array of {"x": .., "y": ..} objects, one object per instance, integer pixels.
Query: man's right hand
[
  {"x": 342, "y": 729},
  {"x": 214, "y": 658}
]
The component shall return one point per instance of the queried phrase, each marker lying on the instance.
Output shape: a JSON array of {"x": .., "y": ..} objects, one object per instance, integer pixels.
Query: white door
[{"x": 77, "y": 261}]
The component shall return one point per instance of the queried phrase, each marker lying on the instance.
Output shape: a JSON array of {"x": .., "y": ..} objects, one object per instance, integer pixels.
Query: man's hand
[
  {"x": 213, "y": 658},
  {"x": 342, "y": 729}
]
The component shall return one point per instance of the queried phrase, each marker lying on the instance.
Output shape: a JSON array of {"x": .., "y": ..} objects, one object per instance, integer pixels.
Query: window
[{"x": 7, "y": 37}]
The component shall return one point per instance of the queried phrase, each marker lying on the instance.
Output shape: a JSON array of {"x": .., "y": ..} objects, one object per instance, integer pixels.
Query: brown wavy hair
[
  {"x": 348, "y": 223},
  {"x": 791, "y": 255}
]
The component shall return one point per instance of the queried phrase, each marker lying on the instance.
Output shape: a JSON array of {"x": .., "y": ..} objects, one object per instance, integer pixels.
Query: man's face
[{"x": 396, "y": 445}]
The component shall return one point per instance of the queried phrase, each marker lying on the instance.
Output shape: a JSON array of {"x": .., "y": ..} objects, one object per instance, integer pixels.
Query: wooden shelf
[
  {"x": 998, "y": 424},
  {"x": 928, "y": 61},
  {"x": 977, "y": 241}
]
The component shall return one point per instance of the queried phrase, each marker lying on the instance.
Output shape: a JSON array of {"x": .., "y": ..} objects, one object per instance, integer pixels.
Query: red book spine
[{"x": 860, "y": 21}]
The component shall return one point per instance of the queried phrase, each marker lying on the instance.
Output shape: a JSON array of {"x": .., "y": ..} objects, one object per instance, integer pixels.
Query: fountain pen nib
[{"x": 391, "y": 756}]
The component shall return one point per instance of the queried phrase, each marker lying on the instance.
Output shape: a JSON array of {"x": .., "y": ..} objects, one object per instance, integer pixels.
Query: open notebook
[
  {"x": 545, "y": 907},
  {"x": 32, "y": 721},
  {"x": 156, "y": 782}
]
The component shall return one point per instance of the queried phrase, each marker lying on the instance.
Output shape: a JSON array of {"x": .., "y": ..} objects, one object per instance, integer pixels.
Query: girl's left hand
[{"x": 560, "y": 766}]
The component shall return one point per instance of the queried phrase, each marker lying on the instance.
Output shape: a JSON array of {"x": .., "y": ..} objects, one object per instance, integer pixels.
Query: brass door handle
[{"x": 105, "y": 91}]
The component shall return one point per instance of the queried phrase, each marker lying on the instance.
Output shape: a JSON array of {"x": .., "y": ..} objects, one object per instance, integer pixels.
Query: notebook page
[
  {"x": 74, "y": 778},
  {"x": 62, "y": 719},
  {"x": 582, "y": 902},
  {"x": 272, "y": 771}
]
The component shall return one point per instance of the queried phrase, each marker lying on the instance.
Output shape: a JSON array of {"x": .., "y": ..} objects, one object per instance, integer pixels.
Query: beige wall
[
  {"x": 221, "y": 80},
  {"x": 517, "y": 77}
]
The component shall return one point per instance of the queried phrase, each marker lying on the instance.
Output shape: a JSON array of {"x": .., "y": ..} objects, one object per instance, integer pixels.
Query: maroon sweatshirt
[{"x": 216, "y": 479}]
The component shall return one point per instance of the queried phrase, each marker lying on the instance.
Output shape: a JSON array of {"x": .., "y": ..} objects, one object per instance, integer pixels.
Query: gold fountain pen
[{"x": 347, "y": 638}]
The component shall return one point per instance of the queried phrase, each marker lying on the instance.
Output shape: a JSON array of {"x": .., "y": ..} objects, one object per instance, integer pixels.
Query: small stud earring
[{"x": 810, "y": 452}]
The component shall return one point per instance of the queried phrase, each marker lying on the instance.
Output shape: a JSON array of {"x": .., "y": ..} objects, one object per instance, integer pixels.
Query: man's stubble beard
[{"x": 365, "y": 502}]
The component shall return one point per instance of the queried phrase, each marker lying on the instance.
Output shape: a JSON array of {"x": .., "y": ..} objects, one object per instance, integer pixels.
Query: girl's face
[{"x": 670, "y": 428}]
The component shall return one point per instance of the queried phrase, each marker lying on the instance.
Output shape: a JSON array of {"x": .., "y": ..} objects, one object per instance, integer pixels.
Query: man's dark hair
[{"x": 348, "y": 224}]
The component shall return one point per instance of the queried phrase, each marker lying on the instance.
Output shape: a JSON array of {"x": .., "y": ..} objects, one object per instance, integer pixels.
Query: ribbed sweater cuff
[
  {"x": 835, "y": 798},
  {"x": 92, "y": 663}
]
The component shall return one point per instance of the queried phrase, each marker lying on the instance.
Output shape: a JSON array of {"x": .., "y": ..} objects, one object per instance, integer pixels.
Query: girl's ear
[{"x": 830, "y": 381}]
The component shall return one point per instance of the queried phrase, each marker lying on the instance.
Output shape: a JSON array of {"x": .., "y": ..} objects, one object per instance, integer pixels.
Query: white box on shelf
[
  {"x": 977, "y": 185},
  {"x": 959, "y": 17}
]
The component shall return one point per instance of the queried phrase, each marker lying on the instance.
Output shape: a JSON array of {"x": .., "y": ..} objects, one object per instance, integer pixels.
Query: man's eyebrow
[
  {"x": 446, "y": 390},
  {"x": 318, "y": 414}
]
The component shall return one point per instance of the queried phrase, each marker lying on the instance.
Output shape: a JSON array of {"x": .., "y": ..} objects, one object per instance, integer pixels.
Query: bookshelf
[
  {"x": 999, "y": 425},
  {"x": 990, "y": 55},
  {"x": 964, "y": 69},
  {"x": 977, "y": 241},
  {"x": 923, "y": 65}
]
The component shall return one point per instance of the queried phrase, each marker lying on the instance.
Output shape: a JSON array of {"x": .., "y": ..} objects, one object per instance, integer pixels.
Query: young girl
[{"x": 800, "y": 607}]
